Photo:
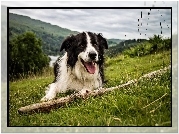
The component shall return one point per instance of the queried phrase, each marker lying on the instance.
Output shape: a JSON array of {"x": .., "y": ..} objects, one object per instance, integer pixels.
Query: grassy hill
[
  {"x": 51, "y": 35},
  {"x": 124, "y": 107},
  {"x": 117, "y": 48},
  {"x": 27, "y": 23}
]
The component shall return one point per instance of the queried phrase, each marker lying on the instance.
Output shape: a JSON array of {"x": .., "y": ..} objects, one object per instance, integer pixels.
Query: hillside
[
  {"x": 38, "y": 25},
  {"x": 114, "y": 42},
  {"x": 137, "y": 105},
  {"x": 121, "y": 46},
  {"x": 51, "y": 35},
  {"x": 117, "y": 41}
]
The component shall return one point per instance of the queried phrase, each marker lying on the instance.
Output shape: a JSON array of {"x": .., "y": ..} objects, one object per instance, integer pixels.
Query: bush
[
  {"x": 26, "y": 55},
  {"x": 155, "y": 44}
]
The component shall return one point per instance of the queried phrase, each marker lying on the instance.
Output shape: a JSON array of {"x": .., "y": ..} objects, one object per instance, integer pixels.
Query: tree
[
  {"x": 159, "y": 43},
  {"x": 156, "y": 40},
  {"x": 26, "y": 55}
]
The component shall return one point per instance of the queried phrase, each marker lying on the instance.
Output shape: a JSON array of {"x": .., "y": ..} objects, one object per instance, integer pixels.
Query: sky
[{"x": 112, "y": 23}]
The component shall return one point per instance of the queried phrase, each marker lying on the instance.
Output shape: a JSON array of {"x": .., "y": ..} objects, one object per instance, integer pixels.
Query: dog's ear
[
  {"x": 67, "y": 43},
  {"x": 102, "y": 41}
]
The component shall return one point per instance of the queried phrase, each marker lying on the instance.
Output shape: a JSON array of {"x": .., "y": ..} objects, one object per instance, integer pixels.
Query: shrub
[
  {"x": 26, "y": 55},
  {"x": 155, "y": 44}
]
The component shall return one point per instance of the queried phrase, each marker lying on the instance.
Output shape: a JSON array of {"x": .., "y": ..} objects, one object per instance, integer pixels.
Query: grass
[
  {"x": 122, "y": 68},
  {"x": 124, "y": 107}
]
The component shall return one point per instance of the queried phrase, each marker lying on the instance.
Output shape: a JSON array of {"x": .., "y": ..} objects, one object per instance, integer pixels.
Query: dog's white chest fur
[{"x": 77, "y": 78}]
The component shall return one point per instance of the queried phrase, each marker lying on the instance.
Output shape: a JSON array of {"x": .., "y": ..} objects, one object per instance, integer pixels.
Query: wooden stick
[{"x": 47, "y": 106}]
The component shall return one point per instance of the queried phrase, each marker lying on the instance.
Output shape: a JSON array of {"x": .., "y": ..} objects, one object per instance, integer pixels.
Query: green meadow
[{"x": 140, "y": 104}]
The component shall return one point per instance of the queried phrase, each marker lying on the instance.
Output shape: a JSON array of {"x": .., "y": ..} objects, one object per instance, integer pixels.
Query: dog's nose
[{"x": 92, "y": 55}]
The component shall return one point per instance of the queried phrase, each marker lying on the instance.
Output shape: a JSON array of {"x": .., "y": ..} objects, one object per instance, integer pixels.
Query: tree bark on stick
[{"x": 52, "y": 104}]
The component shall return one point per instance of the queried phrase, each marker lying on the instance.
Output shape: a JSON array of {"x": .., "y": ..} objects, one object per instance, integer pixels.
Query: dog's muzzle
[{"x": 90, "y": 64}]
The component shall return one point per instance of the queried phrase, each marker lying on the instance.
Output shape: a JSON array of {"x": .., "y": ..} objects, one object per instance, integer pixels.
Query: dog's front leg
[{"x": 50, "y": 92}]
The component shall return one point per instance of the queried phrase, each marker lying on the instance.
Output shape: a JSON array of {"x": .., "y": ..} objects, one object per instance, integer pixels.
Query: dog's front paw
[
  {"x": 83, "y": 93},
  {"x": 46, "y": 98}
]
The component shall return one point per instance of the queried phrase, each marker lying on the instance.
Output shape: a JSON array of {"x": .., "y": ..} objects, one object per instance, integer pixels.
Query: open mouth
[{"x": 90, "y": 66}]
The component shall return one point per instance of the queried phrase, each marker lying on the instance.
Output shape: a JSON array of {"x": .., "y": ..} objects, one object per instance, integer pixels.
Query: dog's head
[{"x": 86, "y": 47}]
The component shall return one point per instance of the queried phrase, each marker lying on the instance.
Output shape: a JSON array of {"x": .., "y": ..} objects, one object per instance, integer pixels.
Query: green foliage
[
  {"x": 140, "y": 49},
  {"x": 26, "y": 55},
  {"x": 155, "y": 44},
  {"x": 114, "y": 50},
  {"x": 124, "y": 107},
  {"x": 156, "y": 39}
]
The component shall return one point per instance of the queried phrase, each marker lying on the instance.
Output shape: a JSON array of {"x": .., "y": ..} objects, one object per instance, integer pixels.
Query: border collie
[{"x": 81, "y": 67}]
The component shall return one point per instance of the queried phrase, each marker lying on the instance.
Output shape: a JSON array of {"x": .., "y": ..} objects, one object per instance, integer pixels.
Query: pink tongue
[{"x": 90, "y": 67}]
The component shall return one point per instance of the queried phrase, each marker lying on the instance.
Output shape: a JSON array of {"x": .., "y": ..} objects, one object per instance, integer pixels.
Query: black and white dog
[{"x": 81, "y": 67}]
